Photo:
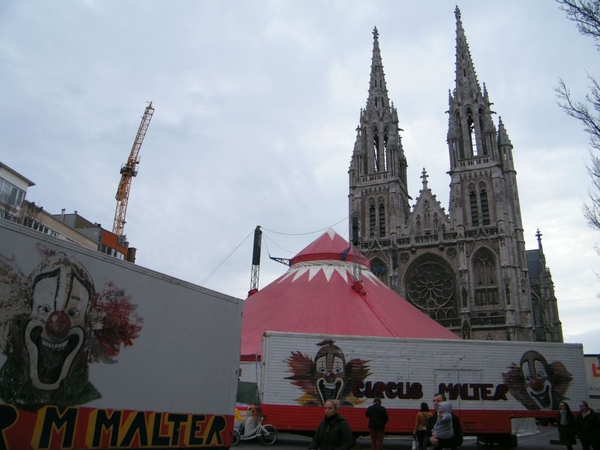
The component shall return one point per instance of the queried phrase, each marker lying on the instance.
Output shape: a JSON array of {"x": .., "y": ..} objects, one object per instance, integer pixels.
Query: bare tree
[{"x": 586, "y": 15}]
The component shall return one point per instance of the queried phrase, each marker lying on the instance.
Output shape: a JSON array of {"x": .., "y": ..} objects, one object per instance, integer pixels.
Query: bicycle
[{"x": 266, "y": 434}]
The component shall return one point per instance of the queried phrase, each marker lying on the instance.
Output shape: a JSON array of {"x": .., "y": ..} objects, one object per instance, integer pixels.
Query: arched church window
[
  {"x": 472, "y": 134},
  {"x": 385, "y": 149},
  {"x": 426, "y": 216},
  {"x": 376, "y": 149},
  {"x": 485, "y": 207},
  {"x": 431, "y": 286},
  {"x": 372, "y": 219},
  {"x": 485, "y": 278},
  {"x": 381, "y": 211},
  {"x": 419, "y": 227},
  {"x": 484, "y": 150},
  {"x": 473, "y": 205},
  {"x": 461, "y": 145}
]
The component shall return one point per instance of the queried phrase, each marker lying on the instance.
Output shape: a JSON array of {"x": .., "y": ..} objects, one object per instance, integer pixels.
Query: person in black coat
[
  {"x": 566, "y": 425},
  {"x": 430, "y": 441},
  {"x": 378, "y": 417},
  {"x": 333, "y": 432},
  {"x": 588, "y": 427}
]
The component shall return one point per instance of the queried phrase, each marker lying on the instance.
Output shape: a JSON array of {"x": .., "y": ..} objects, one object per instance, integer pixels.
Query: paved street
[{"x": 539, "y": 441}]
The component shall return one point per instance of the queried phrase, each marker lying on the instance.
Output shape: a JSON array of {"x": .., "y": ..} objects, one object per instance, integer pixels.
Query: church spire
[
  {"x": 505, "y": 147},
  {"x": 467, "y": 86},
  {"x": 378, "y": 96},
  {"x": 378, "y": 181},
  {"x": 471, "y": 132}
]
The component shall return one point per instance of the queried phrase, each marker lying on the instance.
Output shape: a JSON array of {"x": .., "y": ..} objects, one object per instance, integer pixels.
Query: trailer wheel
[
  {"x": 235, "y": 437},
  {"x": 268, "y": 434}
]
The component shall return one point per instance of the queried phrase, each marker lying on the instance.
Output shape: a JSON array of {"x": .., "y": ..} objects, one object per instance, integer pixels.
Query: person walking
[
  {"x": 566, "y": 425},
  {"x": 588, "y": 427},
  {"x": 378, "y": 417},
  {"x": 333, "y": 433},
  {"x": 421, "y": 424}
]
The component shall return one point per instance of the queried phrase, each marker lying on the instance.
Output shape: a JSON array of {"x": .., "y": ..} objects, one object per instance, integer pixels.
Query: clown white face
[
  {"x": 539, "y": 387},
  {"x": 329, "y": 376},
  {"x": 55, "y": 329}
]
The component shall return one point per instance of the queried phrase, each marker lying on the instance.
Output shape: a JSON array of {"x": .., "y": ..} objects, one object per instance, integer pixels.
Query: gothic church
[{"x": 468, "y": 268}]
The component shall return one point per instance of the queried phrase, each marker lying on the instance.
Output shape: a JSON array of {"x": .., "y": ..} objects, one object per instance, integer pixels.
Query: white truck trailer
[
  {"x": 488, "y": 382},
  {"x": 101, "y": 353}
]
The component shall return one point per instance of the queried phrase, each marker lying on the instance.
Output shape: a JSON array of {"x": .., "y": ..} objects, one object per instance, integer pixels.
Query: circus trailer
[
  {"x": 101, "y": 353},
  {"x": 488, "y": 382},
  {"x": 592, "y": 371}
]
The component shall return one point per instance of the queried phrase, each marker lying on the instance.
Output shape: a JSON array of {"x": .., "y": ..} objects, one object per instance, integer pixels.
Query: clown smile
[
  {"x": 542, "y": 398},
  {"x": 329, "y": 390},
  {"x": 51, "y": 359}
]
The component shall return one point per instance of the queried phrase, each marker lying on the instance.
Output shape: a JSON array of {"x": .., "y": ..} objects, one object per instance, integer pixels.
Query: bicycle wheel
[
  {"x": 235, "y": 437},
  {"x": 268, "y": 434}
]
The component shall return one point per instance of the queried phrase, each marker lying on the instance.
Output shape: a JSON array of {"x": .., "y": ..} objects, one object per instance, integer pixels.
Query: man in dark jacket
[
  {"x": 431, "y": 441},
  {"x": 378, "y": 417},
  {"x": 588, "y": 427},
  {"x": 334, "y": 432}
]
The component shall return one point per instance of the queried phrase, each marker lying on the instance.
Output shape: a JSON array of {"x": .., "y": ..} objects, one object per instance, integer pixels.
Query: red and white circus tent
[{"x": 318, "y": 295}]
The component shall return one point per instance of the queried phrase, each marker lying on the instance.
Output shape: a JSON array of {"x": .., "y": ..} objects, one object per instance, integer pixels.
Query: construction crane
[
  {"x": 128, "y": 171},
  {"x": 255, "y": 261}
]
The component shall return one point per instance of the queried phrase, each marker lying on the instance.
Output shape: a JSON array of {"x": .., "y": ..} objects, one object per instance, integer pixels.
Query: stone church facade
[{"x": 467, "y": 268}]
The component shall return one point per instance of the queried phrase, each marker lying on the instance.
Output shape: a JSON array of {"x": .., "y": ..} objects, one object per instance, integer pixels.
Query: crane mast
[
  {"x": 255, "y": 261},
  {"x": 128, "y": 171}
]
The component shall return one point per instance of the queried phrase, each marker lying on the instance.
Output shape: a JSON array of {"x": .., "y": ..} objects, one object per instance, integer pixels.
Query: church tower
[
  {"x": 466, "y": 268},
  {"x": 484, "y": 202},
  {"x": 378, "y": 184}
]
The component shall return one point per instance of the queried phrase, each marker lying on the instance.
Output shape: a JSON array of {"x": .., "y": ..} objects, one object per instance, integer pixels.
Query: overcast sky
[{"x": 257, "y": 103}]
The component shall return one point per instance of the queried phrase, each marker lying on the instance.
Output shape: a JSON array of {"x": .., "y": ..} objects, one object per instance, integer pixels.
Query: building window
[
  {"x": 381, "y": 210},
  {"x": 372, "y": 219},
  {"x": 461, "y": 145},
  {"x": 11, "y": 198},
  {"x": 37, "y": 226},
  {"x": 112, "y": 252},
  {"x": 472, "y": 133},
  {"x": 485, "y": 277},
  {"x": 474, "y": 208},
  {"x": 479, "y": 204},
  {"x": 485, "y": 207},
  {"x": 431, "y": 287},
  {"x": 484, "y": 151},
  {"x": 385, "y": 149},
  {"x": 10, "y": 194},
  {"x": 376, "y": 150}
]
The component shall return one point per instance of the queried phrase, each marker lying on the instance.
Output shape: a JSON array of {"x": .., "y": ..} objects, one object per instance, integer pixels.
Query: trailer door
[{"x": 462, "y": 389}]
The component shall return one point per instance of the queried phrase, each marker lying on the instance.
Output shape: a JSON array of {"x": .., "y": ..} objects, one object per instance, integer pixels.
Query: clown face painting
[
  {"x": 537, "y": 384},
  {"x": 330, "y": 373},
  {"x": 55, "y": 330},
  {"x": 53, "y": 323},
  {"x": 327, "y": 376}
]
